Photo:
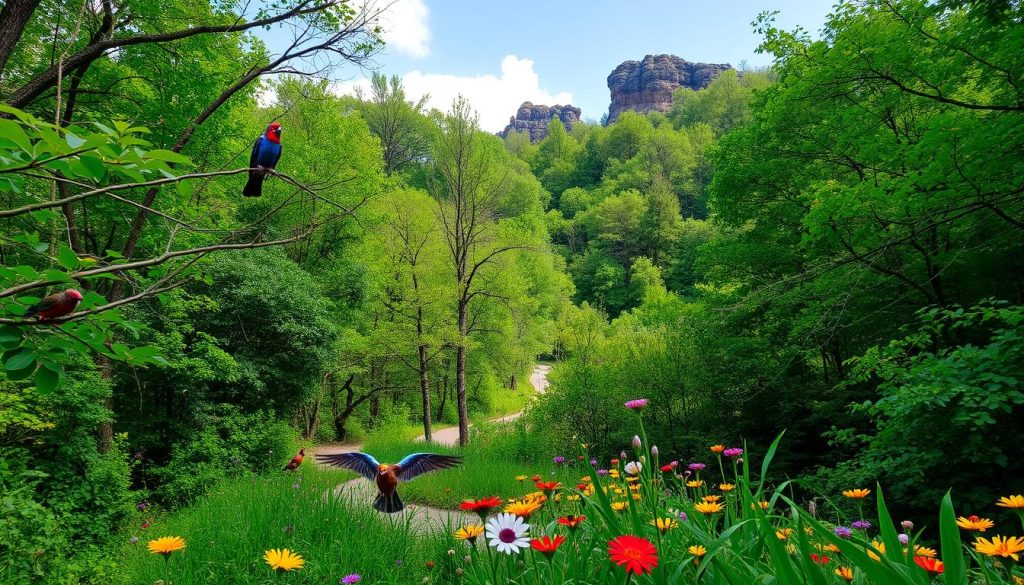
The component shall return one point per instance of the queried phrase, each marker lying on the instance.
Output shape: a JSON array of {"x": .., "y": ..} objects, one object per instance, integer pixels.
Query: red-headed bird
[
  {"x": 55, "y": 305},
  {"x": 295, "y": 462},
  {"x": 387, "y": 477},
  {"x": 265, "y": 154}
]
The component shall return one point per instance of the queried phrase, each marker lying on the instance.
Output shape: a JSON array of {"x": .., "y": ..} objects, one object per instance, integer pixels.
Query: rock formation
[
  {"x": 647, "y": 85},
  {"x": 534, "y": 119}
]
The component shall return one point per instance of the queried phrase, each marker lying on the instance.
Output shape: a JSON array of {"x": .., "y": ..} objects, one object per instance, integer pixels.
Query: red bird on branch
[
  {"x": 55, "y": 305},
  {"x": 295, "y": 462},
  {"x": 387, "y": 477}
]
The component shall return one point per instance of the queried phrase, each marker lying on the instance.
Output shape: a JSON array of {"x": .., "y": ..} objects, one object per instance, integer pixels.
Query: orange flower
[
  {"x": 712, "y": 498},
  {"x": 856, "y": 494},
  {"x": 1013, "y": 502},
  {"x": 974, "y": 523},
  {"x": 717, "y": 448},
  {"x": 931, "y": 565},
  {"x": 845, "y": 573},
  {"x": 708, "y": 507},
  {"x": 1000, "y": 546},
  {"x": 726, "y": 487},
  {"x": 482, "y": 507}
]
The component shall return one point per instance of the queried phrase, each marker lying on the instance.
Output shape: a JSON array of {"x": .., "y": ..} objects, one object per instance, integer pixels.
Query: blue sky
[{"x": 499, "y": 54}]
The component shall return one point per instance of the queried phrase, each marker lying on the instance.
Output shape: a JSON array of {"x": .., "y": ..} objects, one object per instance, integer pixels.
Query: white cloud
[
  {"x": 405, "y": 28},
  {"x": 494, "y": 98}
]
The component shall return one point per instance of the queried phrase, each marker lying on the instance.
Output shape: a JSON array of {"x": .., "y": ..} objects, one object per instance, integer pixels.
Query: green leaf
[
  {"x": 20, "y": 360},
  {"x": 168, "y": 156},
  {"x": 13, "y": 131},
  {"x": 47, "y": 380},
  {"x": 95, "y": 165},
  {"x": 185, "y": 189},
  {"x": 67, "y": 258},
  {"x": 949, "y": 536},
  {"x": 22, "y": 374},
  {"x": 10, "y": 336}
]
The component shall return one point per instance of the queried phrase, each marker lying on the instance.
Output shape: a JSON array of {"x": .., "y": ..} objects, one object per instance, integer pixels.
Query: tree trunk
[
  {"x": 444, "y": 396},
  {"x": 425, "y": 390},
  {"x": 13, "y": 17},
  {"x": 460, "y": 374}
]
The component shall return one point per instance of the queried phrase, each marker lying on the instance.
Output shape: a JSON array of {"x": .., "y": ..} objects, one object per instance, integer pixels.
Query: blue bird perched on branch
[
  {"x": 387, "y": 477},
  {"x": 265, "y": 154}
]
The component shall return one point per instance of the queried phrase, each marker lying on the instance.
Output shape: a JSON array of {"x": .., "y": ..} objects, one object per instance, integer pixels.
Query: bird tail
[
  {"x": 254, "y": 186},
  {"x": 388, "y": 504}
]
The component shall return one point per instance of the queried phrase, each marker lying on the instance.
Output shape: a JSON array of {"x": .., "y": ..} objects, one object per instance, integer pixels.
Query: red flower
[
  {"x": 571, "y": 521},
  {"x": 637, "y": 555},
  {"x": 580, "y": 457},
  {"x": 820, "y": 559},
  {"x": 581, "y": 486},
  {"x": 666, "y": 468},
  {"x": 482, "y": 507},
  {"x": 615, "y": 462},
  {"x": 548, "y": 486},
  {"x": 547, "y": 545},
  {"x": 535, "y": 478},
  {"x": 933, "y": 566}
]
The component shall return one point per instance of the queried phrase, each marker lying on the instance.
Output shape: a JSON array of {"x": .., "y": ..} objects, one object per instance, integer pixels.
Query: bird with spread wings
[{"x": 387, "y": 477}]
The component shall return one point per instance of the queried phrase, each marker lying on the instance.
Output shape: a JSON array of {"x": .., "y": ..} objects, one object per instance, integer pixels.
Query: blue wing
[
  {"x": 420, "y": 463},
  {"x": 275, "y": 155},
  {"x": 361, "y": 463},
  {"x": 254, "y": 157}
]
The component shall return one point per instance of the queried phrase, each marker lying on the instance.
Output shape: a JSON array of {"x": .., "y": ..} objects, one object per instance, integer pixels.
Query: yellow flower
[
  {"x": 694, "y": 483},
  {"x": 717, "y": 448},
  {"x": 726, "y": 487},
  {"x": 637, "y": 497},
  {"x": 924, "y": 551},
  {"x": 708, "y": 507},
  {"x": 619, "y": 506},
  {"x": 856, "y": 494},
  {"x": 1014, "y": 502},
  {"x": 586, "y": 479},
  {"x": 520, "y": 478},
  {"x": 469, "y": 532},
  {"x": 664, "y": 524},
  {"x": 974, "y": 523},
  {"x": 1000, "y": 546},
  {"x": 283, "y": 560},
  {"x": 783, "y": 533},
  {"x": 166, "y": 545},
  {"x": 697, "y": 550},
  {"x": 614, "y": 473},
  {"x": 523, "y": 508},
  {"x": 764, "y": 505},
  {"x": 712, "y": 498},
  {"x": 845, "y": 573},
  {"x": 879, "y": 546},
  {"x": 1018, "y": 580},
  {"x": 826, "y": 547}
]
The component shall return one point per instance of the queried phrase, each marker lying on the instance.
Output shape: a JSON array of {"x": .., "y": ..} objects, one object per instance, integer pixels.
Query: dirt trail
[{"x": 423, "y": 518}]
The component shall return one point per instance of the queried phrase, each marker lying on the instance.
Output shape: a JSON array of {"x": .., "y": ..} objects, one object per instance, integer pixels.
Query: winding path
[{"x": 424, "y": 517}]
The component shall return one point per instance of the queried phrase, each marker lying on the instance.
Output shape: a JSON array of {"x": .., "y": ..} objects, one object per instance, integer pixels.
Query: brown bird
[
  {"x": 295, "y": 462},
  {"x": 55, "y": 305},
  {"x": 387, "y": 477}
]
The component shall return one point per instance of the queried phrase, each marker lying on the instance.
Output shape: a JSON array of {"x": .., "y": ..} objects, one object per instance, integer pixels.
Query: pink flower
[{"x": 636, "y": 404}]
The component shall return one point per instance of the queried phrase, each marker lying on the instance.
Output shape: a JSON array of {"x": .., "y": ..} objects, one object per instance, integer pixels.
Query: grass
[{"x": 228, "y": 531}]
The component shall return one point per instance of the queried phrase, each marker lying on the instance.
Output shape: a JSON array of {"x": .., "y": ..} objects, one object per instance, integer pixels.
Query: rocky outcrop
[
  {"x": 647, "y": 85},
  {"x": 533, "y": 119}
]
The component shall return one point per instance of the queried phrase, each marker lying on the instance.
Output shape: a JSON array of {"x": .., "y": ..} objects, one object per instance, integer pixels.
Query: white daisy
[
  {"x": 507, "y": 532},
  {"x": 633, "y": 468}
]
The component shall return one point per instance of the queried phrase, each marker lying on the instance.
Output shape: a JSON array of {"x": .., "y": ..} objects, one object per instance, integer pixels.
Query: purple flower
[
  {"x": 636, "y": 404},
  {"x": 843, "y": 532},
  {"x": 602, "y": 472},
  {"x": 904, "y": 539},
  {"x": 636, "y": 441},
  {"x": 593, "y": 462},
  {"x": 559, "y": 460},
  {"x": 682, "y": 516},
  {"x": 861, "y": 524},
  {"x": 141, "y": 506},
  {"x": 353, "y": 578},
  {"x": 398, "y": 563},
  {"x": 733, "y": 452},
  {"x": 696, "y": 467}
]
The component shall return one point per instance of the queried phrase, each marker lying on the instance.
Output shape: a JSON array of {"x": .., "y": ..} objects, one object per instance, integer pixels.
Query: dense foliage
[{"x": 829, "y": 246}]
